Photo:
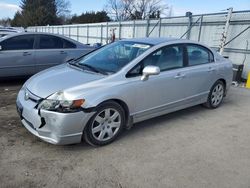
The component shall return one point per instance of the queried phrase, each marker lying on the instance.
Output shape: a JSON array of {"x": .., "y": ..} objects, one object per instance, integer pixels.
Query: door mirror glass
[{"x": 149, "y": 71}]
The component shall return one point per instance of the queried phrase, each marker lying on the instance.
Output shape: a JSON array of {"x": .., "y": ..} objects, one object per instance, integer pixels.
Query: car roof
[
  {"x": 156, "y": 41},
  {"x": 151, "y": 40},
  {"x": 43, "y": 33},
  {"x": 8, "y": 30},
  {"x": 38, "y": 33}
]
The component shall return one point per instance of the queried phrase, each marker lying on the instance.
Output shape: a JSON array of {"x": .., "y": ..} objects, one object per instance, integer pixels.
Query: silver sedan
[
  {"x": 26, "y": 53},
  {"x": 126, "y": 82}
]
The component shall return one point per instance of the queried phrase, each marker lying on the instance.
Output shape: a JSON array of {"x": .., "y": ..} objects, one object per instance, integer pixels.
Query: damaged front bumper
[{"x": 53, "y": 127}]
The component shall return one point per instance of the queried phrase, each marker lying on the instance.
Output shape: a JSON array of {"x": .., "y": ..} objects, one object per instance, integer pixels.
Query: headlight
[{"x": 60, "y": 105}]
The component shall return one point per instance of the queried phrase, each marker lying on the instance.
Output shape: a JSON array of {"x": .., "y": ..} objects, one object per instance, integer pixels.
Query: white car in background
[{"x": 7, "y": 31}]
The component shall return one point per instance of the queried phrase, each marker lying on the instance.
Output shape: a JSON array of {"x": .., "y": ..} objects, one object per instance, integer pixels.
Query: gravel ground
[{"x": 192, "y": 148}]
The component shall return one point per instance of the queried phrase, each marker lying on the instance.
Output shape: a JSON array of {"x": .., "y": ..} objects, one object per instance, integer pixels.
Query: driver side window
[
  {"x": 22, "y": 42},
  {"x": 166, "y": 58}
]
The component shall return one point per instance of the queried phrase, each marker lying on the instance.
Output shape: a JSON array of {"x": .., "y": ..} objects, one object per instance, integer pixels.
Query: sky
[{"x": 179, "y": 7}]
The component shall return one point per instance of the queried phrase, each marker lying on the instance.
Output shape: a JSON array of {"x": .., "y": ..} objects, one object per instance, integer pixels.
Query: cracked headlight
[{"x": 61, "y": 105}]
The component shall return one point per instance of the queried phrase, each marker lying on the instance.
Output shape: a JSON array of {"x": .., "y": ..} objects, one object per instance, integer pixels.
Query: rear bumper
[{"x": 52, "y": 127}]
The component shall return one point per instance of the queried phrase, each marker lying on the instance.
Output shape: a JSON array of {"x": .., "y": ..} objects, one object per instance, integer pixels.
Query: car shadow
[
  {"x": 143, "y": 126},
  {"x": 164, "y": 119},
  {"x": 9, "y": 82}
]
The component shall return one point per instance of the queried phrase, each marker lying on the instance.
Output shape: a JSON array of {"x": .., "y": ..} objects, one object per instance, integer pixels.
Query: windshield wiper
[
  {"x": 92, "y": 68},
  {"x": 72, "y": 62}
]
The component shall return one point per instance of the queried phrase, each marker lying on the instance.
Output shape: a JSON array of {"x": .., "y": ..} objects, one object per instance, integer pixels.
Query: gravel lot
[{"x": 192, "y": 148}]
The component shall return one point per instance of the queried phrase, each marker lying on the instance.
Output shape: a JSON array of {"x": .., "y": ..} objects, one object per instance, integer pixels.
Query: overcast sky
[{"x": 9, "y": 7}]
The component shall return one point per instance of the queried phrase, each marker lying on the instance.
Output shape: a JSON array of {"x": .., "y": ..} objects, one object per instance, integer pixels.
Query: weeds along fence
[{"x": 210, "y": 29}]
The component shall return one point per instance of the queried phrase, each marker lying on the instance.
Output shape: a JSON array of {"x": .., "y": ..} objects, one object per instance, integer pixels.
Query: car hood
[{"x": 59, "y": 78}]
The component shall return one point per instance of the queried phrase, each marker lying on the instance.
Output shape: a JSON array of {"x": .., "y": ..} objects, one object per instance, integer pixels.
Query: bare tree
[
  {"x": 62, "y": 7},
  {"x": 62, "y": 10},
  {"x": 135, "y": 9},
  {"x": 118, "y": 9},
  {"x": 5, "y": 22}
]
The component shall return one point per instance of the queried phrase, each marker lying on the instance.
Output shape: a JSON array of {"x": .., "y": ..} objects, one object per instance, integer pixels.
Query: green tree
[
  {"x": 91, "y": 17},
  {"x": 40, "y": 12},
  {"x": 17, "y": 20}
]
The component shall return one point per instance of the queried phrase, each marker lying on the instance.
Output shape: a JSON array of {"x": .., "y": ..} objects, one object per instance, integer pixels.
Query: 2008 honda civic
[{"x": 97, "y": 96}]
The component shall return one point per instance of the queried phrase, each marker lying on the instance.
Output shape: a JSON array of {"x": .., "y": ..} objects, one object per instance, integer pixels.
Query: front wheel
[
  {"x": 216, "y": 95},
  {"x": 105, "y": 125}
]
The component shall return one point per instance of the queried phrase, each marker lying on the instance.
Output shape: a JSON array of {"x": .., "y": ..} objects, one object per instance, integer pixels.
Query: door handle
[
  {"x": 26, "y": 53},
  {"x": 63, "y": 52},
  {"x": 210, "y": 69},
  {"x": 179, "y": 76}
]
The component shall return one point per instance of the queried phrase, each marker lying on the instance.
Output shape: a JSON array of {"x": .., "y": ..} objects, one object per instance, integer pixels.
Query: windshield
[{"x": 113, "y": 57}]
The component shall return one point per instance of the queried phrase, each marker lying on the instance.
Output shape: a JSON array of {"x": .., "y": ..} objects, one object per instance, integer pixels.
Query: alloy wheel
[
  {"x": 106, "y": 124},
  {"x": 217, "y": 95}
]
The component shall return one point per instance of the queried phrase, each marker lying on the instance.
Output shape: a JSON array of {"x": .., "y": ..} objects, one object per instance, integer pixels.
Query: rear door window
[
  {"x": 50, "y": 42},
  {"x": 68, "y": 44},
  {"x": 23, "y": 42},
  {"x": 198, "y": 55}
]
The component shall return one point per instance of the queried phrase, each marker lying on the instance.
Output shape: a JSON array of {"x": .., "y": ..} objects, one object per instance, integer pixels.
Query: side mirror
[
  {"x": 0, "y": 48},
  {"x": 149, "y": 71}
]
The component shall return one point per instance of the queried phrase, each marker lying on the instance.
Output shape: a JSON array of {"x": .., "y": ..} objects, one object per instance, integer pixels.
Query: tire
[
  {"x": 105, "y": 125},
  {"x": 216, "y": 95}
]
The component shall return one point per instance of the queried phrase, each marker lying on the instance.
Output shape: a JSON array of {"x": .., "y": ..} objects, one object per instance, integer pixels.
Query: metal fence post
[
  {"x": 160, "y": 27},
  {"x": 101, "y": 33},
  {"x": 147, "y": 29},
  {"x": 120, "y": 30},
  {"x": 189, "y": 14},
  {"x": 134, "y": 29},
  {"x": 77, "y": 33},
  {"x": 87, "y": 34},
  {"x": 200, "y": 28},
  {"x": 107, "y": 33}
]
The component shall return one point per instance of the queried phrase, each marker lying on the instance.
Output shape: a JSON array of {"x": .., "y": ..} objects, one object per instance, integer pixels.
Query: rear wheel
[
  {"x": 105, "y": 125},
  {"x": 216, "y": 95}
]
